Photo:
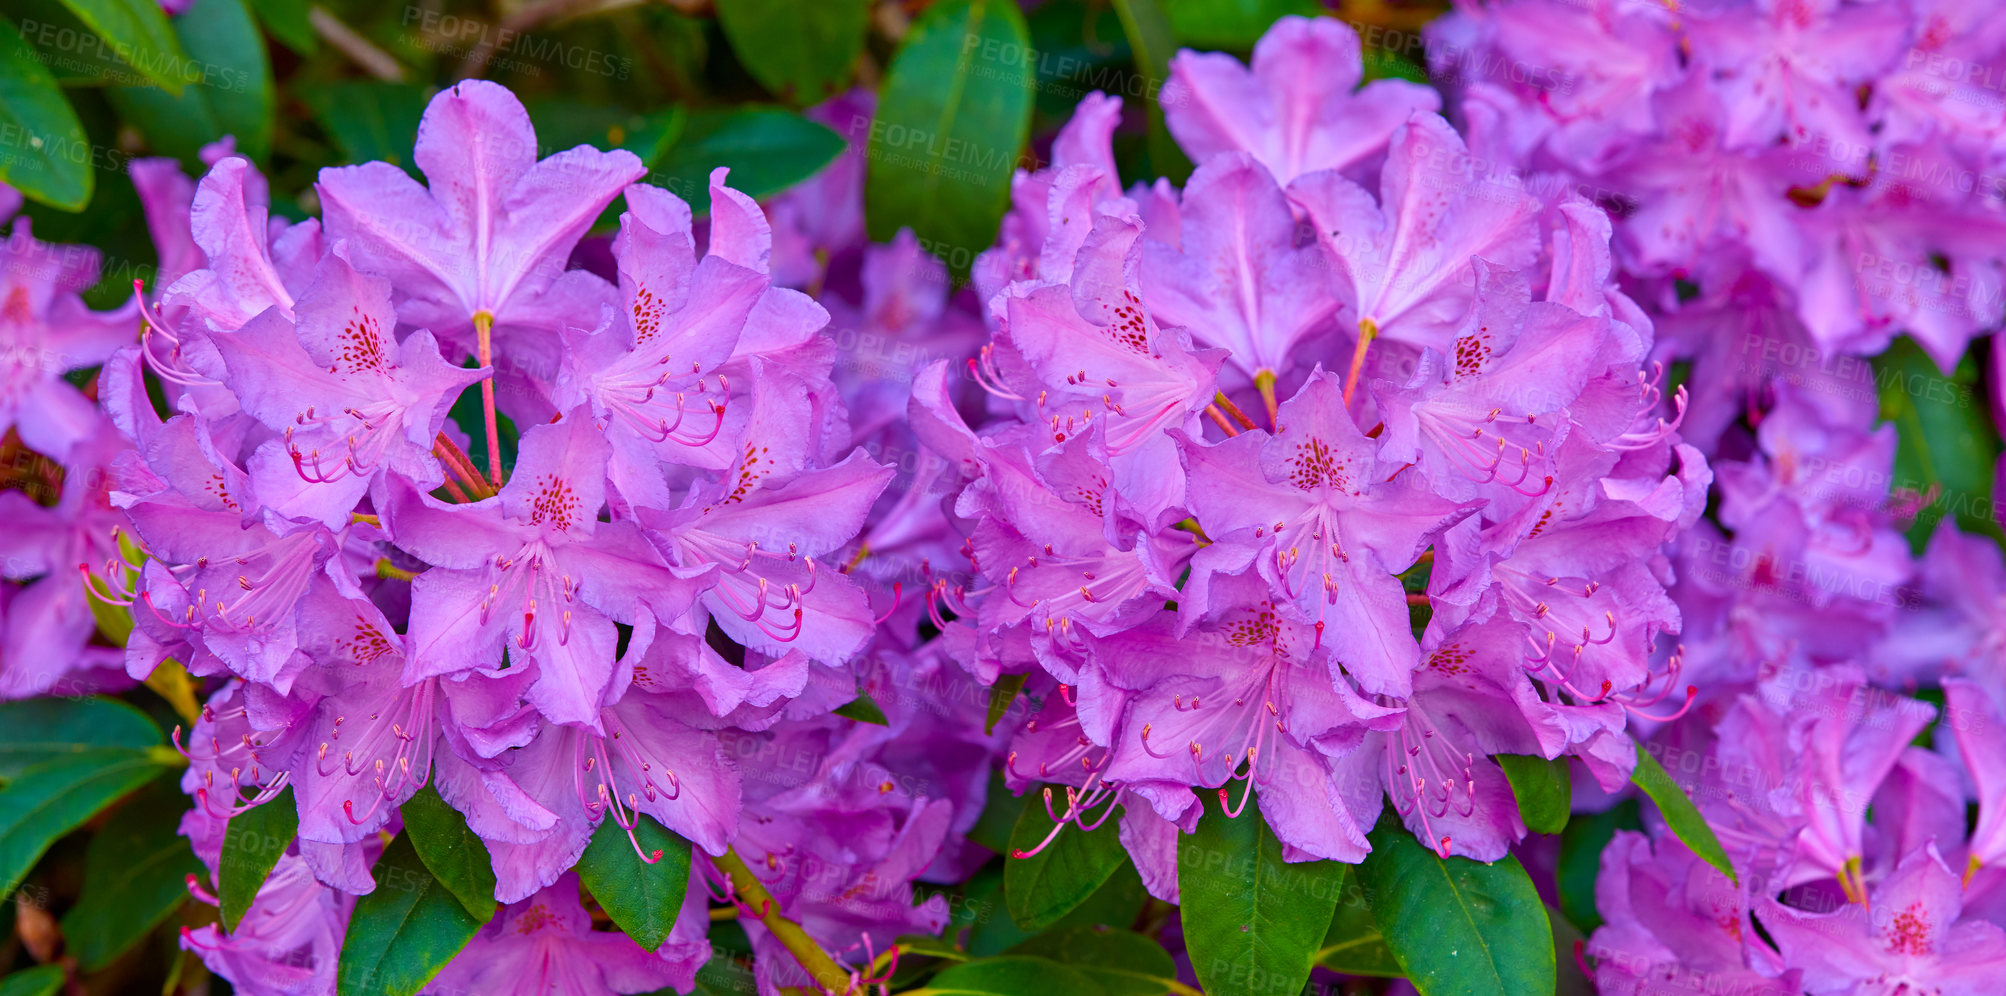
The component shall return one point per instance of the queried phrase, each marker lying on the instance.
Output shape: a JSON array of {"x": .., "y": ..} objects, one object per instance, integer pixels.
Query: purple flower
[
  {"x": 532, "y": 573},
  {"x": 545, "y": 945},
  {"x": 46, "y": 331},
  {"x": 1311, "y": 508},
  {"x": 1911, "y": 933},
  {"x": 493, "y": 230},
  {"x": 1298, "y": 110}
]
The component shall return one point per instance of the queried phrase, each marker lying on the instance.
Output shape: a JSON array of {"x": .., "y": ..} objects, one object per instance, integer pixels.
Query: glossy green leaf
[
  {"x": 800, "y": 51},
  {"x": 401, "y": 935},
  {"x": 1458, "y": 927},
  {"x": 1230, "y": 24},
  {"x": 1253, "y": 923},
  {"x": 1001, "y": 697},
  {"x": 135, "y": 873},
  {"x": 1679, "y": 812},
  {"x": 1114, "y": 905},
  {"x": 370, "y": 120},
  {"x": 253, "y": 843},
  {"x": 57, "y": 796},
  {"x": 1152, "y": 40},
  {"x": 38, "y": 730},
  {"x": 767, "y": 149},
  {"x": 1543, "y": 788},
  {"x": 1581, "y": 846},
  {"x": 1122, "y": 962},
  {"x": 42, "y": 980},
  {"x": 643, "y": 899},
  {"x": 863, "y": 709},
  {"x": 51, "y": 162},
  {"x": 138, "y": 31},
  {"x": 1353, "y": 944},
  {"x": 233, "y": 95},
  {"x": 1045, "y": 886},
  {"x": 450, "y": 851},
  {"x": 1014, "y": 975},
  {"x": 1946, "y": 446},
  {"x": 953, "y": 114},
  {"x": 290, "y": 22}
]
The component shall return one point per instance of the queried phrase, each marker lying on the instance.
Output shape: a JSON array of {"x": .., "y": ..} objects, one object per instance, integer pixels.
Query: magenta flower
[
  {"x": 532, "y": 573},
  {"x": 1299, "y": 109},
  {"x": 545, "y": 945},
  {"x": 46, "y": 332}
]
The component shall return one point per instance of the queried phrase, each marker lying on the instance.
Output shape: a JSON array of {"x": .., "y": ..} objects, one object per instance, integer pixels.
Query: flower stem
[
  {"x": 484, "y": 326},
  {"x": 823, "y": 969}
]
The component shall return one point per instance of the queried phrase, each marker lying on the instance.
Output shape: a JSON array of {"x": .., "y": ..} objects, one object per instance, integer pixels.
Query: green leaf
[
  {"x": 1045, "y": 886},
  {"x": 1081, "y": 48},
  {"x": 1150, "y": 37},
  {"x": 1581, "y": 846},
  {"x": 42, "y": 980},
  {"x": 1353, "y": 944},
  {"x": 1543, "y": 788},
  {"x": 1572, "y": 981},
  {"x": 1001, "y": 697},
  {"x": 1679, "y": 812},
  {"x": 800, "y": 51},
  {"x": 252, "y": 845},
  {"x": 725, "y": 974},
  {"x": 1946, "y": 447},
  {"x": 135, "y": 873},
  {"x": 768, "y": 150},
  {"x": 1000, "y": 812},
  {"x": 51, "y": 162},
  {"x": 992, "y": 931},
  {"x": 1123, "y": 962},
  {"x": 405, "y": 932},
  {"x": 57, "y": 796},
  {"x": 138, "y": 31},
  {"x": 863, "y": 709},
  {"x": 289, "y": 22},
  {"x": 1230, "y": 24},
  {"x": 643, "y": 899},
  {"x": 1250, "y": 918},
  {"x": 563, "y": 123},
  {"x": 953, "y": 114},
  {"x": 1014, "y": 975},
  {"x": 370, "y": 120},
  {"x": 35, "y": 731},
  {"x": 451, "y": 852},
  {"x": 1457, "y": 926},
  {"x": 233, "y": 96}
]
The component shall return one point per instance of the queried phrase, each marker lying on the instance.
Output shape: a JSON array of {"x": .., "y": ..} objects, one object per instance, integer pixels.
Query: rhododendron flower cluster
[
  {"x": 1795, "y": 184},
  {"x": 1228, "y": 421},
  {"x": 1417, "y": 436},
  {"x": 391, "y": 606}
]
